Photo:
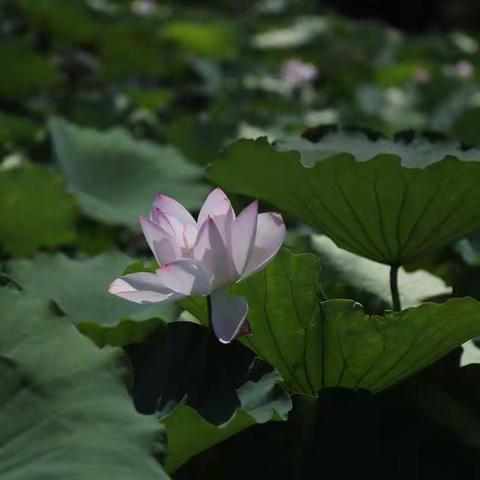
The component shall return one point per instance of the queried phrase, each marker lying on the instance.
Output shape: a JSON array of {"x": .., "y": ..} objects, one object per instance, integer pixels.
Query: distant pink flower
[
  {"x": 464, "y": 69},
  {"x": 297, "y": 73},
  {"x": 204, "y": 257},
  {"x": 422, "y": 75},
  {"x": 143, "y": 8}
]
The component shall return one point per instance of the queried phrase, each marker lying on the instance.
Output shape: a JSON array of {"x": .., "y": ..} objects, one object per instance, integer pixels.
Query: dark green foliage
[{"x": 105, "y": 104}]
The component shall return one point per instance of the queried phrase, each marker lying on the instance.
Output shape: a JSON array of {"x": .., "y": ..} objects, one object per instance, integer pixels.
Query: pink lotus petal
[
  {"x": 211, "y": 251},
  {"x": 229, "y": 315},
  {"x": 142, "y": 287},
  {"x": 217, "y": 204},
  {"x": 172, "y": 207},
  {"x": 176, "y": 226},
  {"x": 244, "y": 230},
  {"x": 185, "y": 276},
  {"x": 268, "y": 240},
  {"x": 154, "y": 213},
  {"x": 190, "y": 232},
  {"x": 157, "y": 216},
  {"x": 163, "y": 245},
  {"x": 224, "y": 224},
  {"x": 177, "y": 230}
]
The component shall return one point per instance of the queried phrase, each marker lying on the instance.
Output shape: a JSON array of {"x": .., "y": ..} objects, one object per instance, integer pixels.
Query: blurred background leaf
[
  {"x": 35, "y": 210},
  {"x": 115, "y": 177}
]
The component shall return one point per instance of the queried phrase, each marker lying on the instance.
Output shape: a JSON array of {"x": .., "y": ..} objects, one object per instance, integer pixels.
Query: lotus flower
[
  {"x": 297, "y": 73},
  {"x": 464, "y": 69},
  {"x": 204, "y": 257}
]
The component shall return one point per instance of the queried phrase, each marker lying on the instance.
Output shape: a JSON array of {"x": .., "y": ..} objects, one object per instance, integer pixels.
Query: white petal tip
[
  {"x": 244, "y": 330},
  {"x": 229, "y": 315},
  {"x": 116, "y": 287},
  {"x": 277, "y": 217}
]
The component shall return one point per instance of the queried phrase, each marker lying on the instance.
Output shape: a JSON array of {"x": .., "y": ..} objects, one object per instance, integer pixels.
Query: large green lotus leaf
[
  {"x": 342, "y": 266},
  {"x": 115, "y": 177},
  {"x": 334, "y": 343},
  {"x": 189, "y": 433},
  {"x": 375, "y": 352},
  {"x": 35, "y": 210},
  {"x": 79, "y": 288},
  {"x": 383, "y": 208},
  {"x": 65, "y": 411}
]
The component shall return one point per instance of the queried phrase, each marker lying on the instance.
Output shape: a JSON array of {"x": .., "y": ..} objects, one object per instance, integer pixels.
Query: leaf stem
[{"x": 394, "y": 288}]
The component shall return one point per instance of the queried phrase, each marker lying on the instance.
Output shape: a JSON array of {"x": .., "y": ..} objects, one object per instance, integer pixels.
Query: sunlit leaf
[
  {"x": 318, "y": 344},
  {"x": 350, "y": 269},
  {"x": 389, "y": 208},
  {"x": 79, "y": 287}
]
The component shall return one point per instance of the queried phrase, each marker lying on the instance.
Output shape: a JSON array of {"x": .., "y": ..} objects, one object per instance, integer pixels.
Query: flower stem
[
  {"x": 209, "y": 309},
  {"x": 394, "y": 288}
]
